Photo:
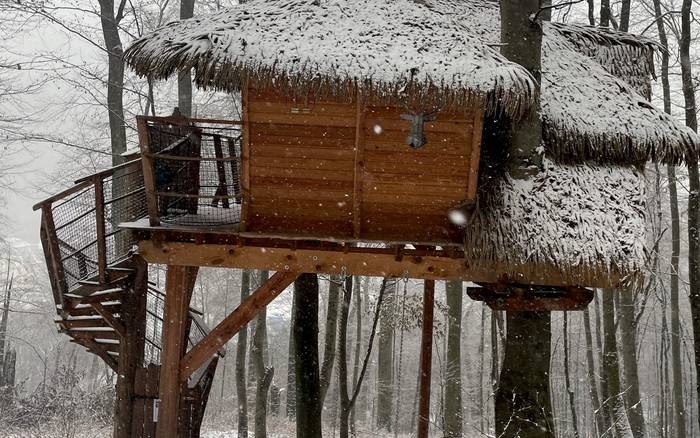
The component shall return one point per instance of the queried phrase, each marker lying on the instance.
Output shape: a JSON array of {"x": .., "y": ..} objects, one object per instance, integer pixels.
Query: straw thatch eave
[
  {"x": 590, "y": 115},
  {"x": 330, "y": 49},
  {"x": 587, "y": 221},
  {"x": 443, "y": 53}
]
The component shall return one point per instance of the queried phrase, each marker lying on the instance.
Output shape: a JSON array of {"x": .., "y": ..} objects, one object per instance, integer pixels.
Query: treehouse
[{"x": 370, "y": 141}]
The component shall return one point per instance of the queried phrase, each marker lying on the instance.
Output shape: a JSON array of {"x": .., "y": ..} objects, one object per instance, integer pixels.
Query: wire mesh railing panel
[
  {"x": 155, "y": 310},
  {"x": 154, "y": 325},
  {"x": 74, "y": 220},
  {"x": 196, "y": 172},
  {"x": 124, "y": 201},
  {"x": 77, "y": 227}
]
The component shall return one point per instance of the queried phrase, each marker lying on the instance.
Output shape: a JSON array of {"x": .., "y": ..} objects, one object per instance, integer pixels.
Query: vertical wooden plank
[
  {"x": 222, "y": 190},
  {"x": 179, "y": 282},
  {"x": 151, "y": 392},
  {"x": 234, "y": 170},
  {"x": 196, "y": 152},
  {"x": 426, "y": 358},
  {"x": 46, "y": 245},
  {"x": 475, "y": 154},
  {"x": 56, "y": 265},
  {"x": 148, "y": 169},
  {"x": 100, "y": 229},
  {"x": 359, "y": 166},
  {"x": 245, "y": 158},
  {"x": 131, "y": 347},
  {"x": 137, "y": 424}
]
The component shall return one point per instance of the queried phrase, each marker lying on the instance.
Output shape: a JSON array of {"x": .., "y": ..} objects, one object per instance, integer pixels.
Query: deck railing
[
  {"x": 192, "y": 170},
  {"x": 79, "y": 231}
]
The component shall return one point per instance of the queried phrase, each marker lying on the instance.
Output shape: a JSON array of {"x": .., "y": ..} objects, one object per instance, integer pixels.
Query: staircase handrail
[{"x": 54, "y": 246}]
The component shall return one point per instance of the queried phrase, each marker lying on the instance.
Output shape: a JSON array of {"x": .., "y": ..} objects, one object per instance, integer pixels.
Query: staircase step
[
  {"x": 83, "y": 323},
  {"x": 113, "y": 307},
  {"x": 103, "y": 347},
  {"x": 93, "y": 333},
  {"x": 120, "y": 269},
  {"x": 89, "y": 286},
  {"x": 113, "y": 294}
]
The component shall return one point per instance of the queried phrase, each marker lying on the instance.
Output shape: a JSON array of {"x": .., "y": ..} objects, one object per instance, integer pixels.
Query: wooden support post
[
  {"x": 426, "y": 358},
  {"x": 131, "y": 346},
  {"x": 100, "y": 230},
  {"x": 149, "y": 180},
  {"x": 54, "y": 257},
  {"x": 227, "y": 328},
  {"x": 178, "y": 290}
]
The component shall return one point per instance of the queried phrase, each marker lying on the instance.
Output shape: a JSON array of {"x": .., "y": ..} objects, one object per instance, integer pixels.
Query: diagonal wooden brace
[
  {"x": 109, "y": 319},
  {"x": 227, "y": 328}
]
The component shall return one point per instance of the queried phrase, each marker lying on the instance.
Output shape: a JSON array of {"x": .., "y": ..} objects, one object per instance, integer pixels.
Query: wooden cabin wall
[
  {"x": 408, "y": 192},
  {"x": 342, "y": 170},
  {"x": 301, "y": 166}
]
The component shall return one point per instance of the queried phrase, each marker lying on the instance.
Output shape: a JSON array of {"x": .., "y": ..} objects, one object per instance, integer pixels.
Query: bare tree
[
  {"x": 241, "y": 346},
  {"x": 453, "y": 365},
  {"x": 306, "y": 371},
  {"x": 522, "y": 402},
  {"x": 691, "y": 121}
]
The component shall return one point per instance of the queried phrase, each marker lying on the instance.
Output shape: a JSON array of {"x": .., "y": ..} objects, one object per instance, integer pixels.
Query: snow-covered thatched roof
[
  {"x": 582, "y": 221},
  {"x": 584, "y": 215},
  {"x": 449, "y": 48},
  {"x": 331, "y": 48}
]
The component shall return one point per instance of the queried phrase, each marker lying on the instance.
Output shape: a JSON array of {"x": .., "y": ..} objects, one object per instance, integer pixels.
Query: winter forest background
[{"x": 54, "y": 128}]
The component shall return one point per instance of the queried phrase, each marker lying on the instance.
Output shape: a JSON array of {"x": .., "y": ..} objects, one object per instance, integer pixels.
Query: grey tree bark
[
  {"x": 567, "y": 377},
  {"x": 241, "y": 348},
  {"x": 602, "y": 422},
  {"x": 522, "y": 401},
  {"x": 3, "y": 328},
  {"x": 678, "y": 403},
  {"x": 184, "y": 82},
  {"x": 628, "y": 332},
  {"x": 291, "y": 400},
  {"x": 693, "y": 182},
  {"x": 605, "y": 13},
  {"x": 358, "y": 347},
  {"x": 110, "y": 21},
  {"x": 305, "y": 329},
  {"x": 330, "y": 336},
  {"x": 263, "y": 373},
  {"x": 611, "y": 368},
  {"x": 348, "y": 398},
  {"x": 385, "y": 364},
  {"x": 522, "y": 404},
  {"x": 453, "y": 378}
]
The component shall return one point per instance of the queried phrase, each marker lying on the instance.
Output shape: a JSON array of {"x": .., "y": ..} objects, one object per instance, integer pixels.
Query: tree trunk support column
[
  {"x": 426, "y": 358},
  {"x": 178, "y": 291},
  {"x": 131, "y": 348}
]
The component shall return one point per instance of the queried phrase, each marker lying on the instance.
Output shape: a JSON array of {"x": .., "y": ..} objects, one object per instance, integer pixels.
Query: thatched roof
[
  {"x": 584, "y": 213},
  {"x": 580, "y": 219},
  {"x": 449, "y": 49},
  {"x": 330, "y": 48}
]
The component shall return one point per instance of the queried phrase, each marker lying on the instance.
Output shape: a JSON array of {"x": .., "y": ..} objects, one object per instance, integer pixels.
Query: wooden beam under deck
[
  {"x": 227, "y": 328},
  {"x": 380, "y": 262}
]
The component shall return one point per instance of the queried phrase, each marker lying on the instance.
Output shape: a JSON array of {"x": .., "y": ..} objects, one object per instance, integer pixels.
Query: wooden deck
[{"x": 227, "y": 247}]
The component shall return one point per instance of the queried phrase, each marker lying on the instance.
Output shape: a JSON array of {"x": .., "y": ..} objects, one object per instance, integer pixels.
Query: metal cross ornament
[{"x": 416, "y": 138}]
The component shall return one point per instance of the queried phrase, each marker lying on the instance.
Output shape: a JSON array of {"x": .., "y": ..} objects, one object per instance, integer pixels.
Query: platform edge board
[{"x": 437, "y": 265}]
